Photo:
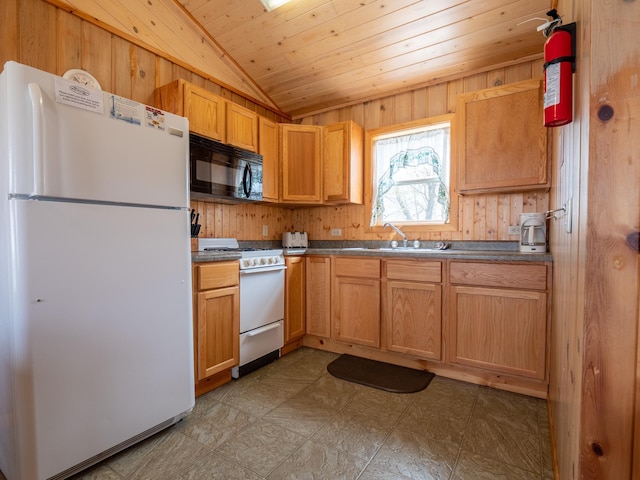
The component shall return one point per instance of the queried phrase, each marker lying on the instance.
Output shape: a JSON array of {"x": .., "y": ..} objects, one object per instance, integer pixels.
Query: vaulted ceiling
[{"x": 313, "y": 55}]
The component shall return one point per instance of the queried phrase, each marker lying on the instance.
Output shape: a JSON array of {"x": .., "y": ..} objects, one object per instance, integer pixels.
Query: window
[{"x": 411, "y": 173}]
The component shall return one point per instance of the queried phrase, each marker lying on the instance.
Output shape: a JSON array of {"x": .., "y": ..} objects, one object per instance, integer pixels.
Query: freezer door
[
  {"x": 65, "y": 140},
  {"x": 103, "y": 326}
]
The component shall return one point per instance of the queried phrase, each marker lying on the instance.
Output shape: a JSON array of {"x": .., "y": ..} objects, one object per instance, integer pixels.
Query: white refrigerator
[{"x": 96, "y": 343}]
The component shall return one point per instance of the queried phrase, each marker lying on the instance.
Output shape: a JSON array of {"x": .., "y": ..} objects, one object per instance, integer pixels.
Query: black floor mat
[{"x": 383, "y": 376}]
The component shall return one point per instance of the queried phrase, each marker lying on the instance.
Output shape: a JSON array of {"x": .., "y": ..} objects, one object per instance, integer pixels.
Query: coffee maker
[{"x": 533, "y": 233}]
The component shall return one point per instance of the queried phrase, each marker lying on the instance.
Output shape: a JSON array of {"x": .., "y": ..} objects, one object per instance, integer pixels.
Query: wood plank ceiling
[{"x": 313, "y": 55}]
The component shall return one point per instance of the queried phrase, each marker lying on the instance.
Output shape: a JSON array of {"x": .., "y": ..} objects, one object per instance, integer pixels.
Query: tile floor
[{"x": 293, "y": 420}]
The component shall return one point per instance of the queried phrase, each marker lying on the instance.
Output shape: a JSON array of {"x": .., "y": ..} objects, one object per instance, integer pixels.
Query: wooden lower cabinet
[
  {"x": 294, "y": 298},
  {"x": 412, "y": 307},
  {"x": 218, "y": 332},
  {"x": 499, "y": 330},
  {"x": 216, "y": 323},
  {"x": 318, "y": 296},
  {"x": 480, "y": 321},
  {"x": 498, "y": 317},
  {"x": 355, "y": 295}
]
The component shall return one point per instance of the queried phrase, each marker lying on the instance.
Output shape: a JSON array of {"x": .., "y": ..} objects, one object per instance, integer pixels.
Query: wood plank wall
[
  {"x": 482, "y": 217},
  {"x": 41, "y": 35},
  {"x": 595, "y": 371},
  {"x": 38, "y": 34}
]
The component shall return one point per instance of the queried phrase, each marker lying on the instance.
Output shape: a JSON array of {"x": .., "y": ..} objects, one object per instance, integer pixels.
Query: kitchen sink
[
  {"x": 394, "y": 249},
  {"x": 408, "y": 249}
]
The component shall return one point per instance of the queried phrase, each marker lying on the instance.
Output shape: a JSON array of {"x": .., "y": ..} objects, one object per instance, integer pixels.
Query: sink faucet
[{"x": 404, "y": 237}]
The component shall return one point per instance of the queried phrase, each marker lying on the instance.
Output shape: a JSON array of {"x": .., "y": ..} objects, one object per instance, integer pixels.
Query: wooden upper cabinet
[
  {"x": 269, "y": 149},
  {"x": 205, "y": 110},
  {"x": 343, "y": 163},
  {"x": 242, "y": 127},
  {"x": 301, "y": 163},
  {"x": 502, "y": 143}
]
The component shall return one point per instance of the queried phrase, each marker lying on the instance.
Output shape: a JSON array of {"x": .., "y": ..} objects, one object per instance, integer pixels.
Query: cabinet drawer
[
  {"x": 357, "y": 267},
  {"x": 533, "y": 277},
  {"x": 216, "y": 275},
  {"x": 419, "y": 271}
]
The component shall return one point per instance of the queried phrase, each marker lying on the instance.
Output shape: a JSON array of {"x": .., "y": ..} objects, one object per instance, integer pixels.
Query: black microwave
[{"x": 223, "y": 172}]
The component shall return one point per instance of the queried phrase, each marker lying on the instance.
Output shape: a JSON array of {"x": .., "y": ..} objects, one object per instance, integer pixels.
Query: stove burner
[{"x": 256, "y": 255}]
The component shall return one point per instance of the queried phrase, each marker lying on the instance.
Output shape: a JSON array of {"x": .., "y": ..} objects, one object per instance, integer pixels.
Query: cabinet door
[
  {"x": 355, "y": 301},
  {"x": 205, "y": 111},
  {"x": 500, "y": 330},
  {"x": 218, "y": 331},
  {"x": 502, "y": 143},
  {"x": 268, "y": 148},
  {"x": 300, "y": 150},
  {"x": 356, "y": 310},
  {"x": 242, "y": 127},
  {"x": 294, "y": 315},
  {"x": 414, "y": 318},
  {"x": 343, "y": 163},
  {"x": 318, "y": 293}
]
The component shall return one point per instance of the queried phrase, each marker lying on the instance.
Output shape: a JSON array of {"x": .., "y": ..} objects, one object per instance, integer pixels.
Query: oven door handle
[
  {"x": 251, "y": 271},
  {"x": 264, "y": 329}
]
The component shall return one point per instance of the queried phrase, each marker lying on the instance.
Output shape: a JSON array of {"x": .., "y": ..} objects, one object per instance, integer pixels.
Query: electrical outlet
[
  {"x": 514, "y": 229},
  {"x": 265, "y": 230},
  {"x": 336, "y": 232}
]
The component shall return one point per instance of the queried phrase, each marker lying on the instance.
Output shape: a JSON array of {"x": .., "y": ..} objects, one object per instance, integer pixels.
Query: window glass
[{"x": 412, "y": 176}]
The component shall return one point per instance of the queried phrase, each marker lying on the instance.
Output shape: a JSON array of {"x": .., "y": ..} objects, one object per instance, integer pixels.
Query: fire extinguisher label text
[{"x": 552, "y": 85}]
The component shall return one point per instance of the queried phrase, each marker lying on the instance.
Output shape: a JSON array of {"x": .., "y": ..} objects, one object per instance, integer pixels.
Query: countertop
[
  {"x": 467, "y": 250},
  {"x": 197, "y": 257},
  {"x": 495, "y": 255}
]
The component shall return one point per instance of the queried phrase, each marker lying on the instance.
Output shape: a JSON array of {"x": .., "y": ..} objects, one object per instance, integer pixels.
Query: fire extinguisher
[{"x": 559, "y": 64}]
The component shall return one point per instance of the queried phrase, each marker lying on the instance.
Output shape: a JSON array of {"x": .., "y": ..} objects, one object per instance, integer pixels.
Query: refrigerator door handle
[{"x": 35, "y": 94}]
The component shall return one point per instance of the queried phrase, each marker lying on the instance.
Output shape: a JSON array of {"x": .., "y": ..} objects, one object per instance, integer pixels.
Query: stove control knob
[
  {"x": 246, "y": 263},
  {"x": 275, "y": 259},
  {"x": 263, "y": 261}
]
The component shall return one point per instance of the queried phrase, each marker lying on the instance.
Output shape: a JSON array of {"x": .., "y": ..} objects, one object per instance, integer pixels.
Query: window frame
[{"x": 372, "y": 135}]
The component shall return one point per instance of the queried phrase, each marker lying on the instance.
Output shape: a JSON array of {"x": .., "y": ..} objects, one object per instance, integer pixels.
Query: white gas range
[{"x": 261, "y": 301}]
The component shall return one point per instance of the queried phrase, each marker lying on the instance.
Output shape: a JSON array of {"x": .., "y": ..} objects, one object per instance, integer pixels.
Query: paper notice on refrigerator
[
  {"x": 76, "y": 95},
  {"x": 155, "y": 118},
  {"x": 124, "y": 109}
]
